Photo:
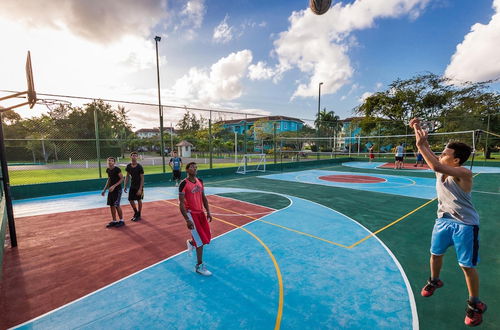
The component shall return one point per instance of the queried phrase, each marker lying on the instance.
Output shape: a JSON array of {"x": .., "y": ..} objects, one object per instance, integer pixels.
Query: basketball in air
[{"x": 319, "y": 7}]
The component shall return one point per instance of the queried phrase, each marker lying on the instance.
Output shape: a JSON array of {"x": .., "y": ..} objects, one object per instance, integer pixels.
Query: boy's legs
[
  {"x": 472, "y": 280},
  {"x": 199, "y": 254},
  {"x": 132, "y": 203},
  {"x": 113, "y": 212},
  {"x": 119, "y": 210},
  {"x": 139, "y": 204},
  {"x": 436, "y": 263}
]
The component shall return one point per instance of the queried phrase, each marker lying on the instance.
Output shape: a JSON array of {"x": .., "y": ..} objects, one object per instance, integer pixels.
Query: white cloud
[
  {"x": 192, "y": 16},
  {"x": 476, "y": 58},
  {"x": 364, "y": 96},
  {"x": 104, "y": 21},
  {"x": 379, "y": 85},
  {"x": 318, "y": 45},
  {"x": 219, "y": 83},
  {"x": 260, "y": 71},
  {"x": 223, "y": 32}
]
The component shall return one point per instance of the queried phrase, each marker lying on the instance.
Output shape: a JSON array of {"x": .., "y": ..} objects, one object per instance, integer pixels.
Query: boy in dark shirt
[
  {"x": 136, "y": 193},
  {"x": 114, "y": 183}
]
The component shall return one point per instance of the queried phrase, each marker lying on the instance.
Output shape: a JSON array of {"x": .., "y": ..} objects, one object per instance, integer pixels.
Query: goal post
[{"x": 252, "y": 163}]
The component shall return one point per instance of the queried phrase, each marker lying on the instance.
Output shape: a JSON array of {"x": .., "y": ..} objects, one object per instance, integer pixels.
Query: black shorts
[
  {"x": 114, "y": 197},
  {"x": 132, "y": 194},
  {"x": 399, "y": 159},
  {"x": 176, "y": 174}
]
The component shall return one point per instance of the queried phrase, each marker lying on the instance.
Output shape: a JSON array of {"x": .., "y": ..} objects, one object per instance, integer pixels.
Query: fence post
[
  {"x": 6, "y": 188},
  {"x": 97, "y": 142},
  {"x": 486, "y": 141},
  {"x": 210, "y": 138},
  {"x": 274, "y": 137}
]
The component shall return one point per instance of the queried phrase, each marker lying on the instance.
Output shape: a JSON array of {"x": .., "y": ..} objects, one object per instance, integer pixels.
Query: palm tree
[{"x": 329, "y": 122}]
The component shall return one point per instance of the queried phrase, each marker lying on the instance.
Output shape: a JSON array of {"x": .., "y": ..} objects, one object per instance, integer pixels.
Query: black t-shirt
[
  {"x": 113, "y": 175},
  {"x": 135, "y": 174}
]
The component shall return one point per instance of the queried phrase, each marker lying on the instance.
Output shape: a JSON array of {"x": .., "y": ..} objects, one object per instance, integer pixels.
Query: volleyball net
[{"x": 383, "y": 146}]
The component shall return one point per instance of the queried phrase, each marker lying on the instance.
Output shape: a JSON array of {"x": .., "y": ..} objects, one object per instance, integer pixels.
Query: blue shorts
[{"x": 465, "y": 238}]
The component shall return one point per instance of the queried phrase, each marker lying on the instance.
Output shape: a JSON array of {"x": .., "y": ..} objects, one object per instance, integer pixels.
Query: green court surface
[{"x": 408, "y": 239}]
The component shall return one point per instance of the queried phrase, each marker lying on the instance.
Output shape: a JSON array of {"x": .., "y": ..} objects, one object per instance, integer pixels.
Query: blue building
[{"x": 283, "y": 124}]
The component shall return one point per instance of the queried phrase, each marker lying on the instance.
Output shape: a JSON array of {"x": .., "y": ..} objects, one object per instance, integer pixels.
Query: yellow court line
[
  {"x": 391, "y": 224},
  {"x": 276, "y": 267},
  {"x": 280, "y": 226}
]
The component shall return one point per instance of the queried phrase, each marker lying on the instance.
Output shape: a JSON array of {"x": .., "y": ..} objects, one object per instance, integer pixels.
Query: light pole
[
  {"x": 160, "y": 109},
  {"x": 317, "y": 128}
]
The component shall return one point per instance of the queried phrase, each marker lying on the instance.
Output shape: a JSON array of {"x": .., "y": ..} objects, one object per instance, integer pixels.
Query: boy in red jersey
[{"x": 192, "y": 199}]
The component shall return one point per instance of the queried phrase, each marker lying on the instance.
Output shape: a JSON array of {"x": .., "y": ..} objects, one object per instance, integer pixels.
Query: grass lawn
[{"x": 74, "y": 174}]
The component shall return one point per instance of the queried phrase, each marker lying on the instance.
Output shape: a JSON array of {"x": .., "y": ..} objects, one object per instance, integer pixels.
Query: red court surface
[
  {"x": 406, "y": 166},
  {"x": 352, "y": 178},
  {"x": 64, "y": 256}
]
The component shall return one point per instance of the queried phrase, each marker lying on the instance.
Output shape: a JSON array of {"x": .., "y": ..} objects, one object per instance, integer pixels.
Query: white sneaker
[
  {"x": 202, "y": 270},
  {"x": 190, "y": 247}
]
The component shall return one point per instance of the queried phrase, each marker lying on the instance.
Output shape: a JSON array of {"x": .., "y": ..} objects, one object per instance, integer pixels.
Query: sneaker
[
  {"x": 120, "y": 223},
  {"x": 474, "y": 313},
  {"x": 202, "y": 270},
  {"x": 136, "y": 216},
  {"x": 190, "y": 247},
  {"x": 430, "y": 287},
  {"x": 111, "y": 224}
]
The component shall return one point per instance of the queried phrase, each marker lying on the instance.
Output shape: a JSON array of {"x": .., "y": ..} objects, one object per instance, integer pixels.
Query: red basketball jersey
[{"x": 193, "y": 194}]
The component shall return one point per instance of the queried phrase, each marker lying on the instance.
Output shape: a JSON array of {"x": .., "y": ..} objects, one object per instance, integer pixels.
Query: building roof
[
  {"x": 348, "y": 120},
  {"x": 252, "y": 120},
  {"x": 184, "y": 143},
  {"x": 148, "y": 130},
  {"x": 154, "y": 130}
]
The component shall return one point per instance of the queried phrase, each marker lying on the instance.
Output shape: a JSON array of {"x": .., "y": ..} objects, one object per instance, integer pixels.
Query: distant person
[
  {"x": 135, "y": 172},
  {"x": 175, "y": 164},
  {"x": 420, "y": 159},
  {"x": 399, "y": 157},
  {"x": 192, "y": 199},
  {"x": 457, "y": 223},
  {"x": 114, "y": 186},
  {"x": 370, "y": 153}
]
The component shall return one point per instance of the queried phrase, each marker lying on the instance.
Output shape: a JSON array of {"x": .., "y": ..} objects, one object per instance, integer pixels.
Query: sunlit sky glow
[{"x": 244, "y": 55}]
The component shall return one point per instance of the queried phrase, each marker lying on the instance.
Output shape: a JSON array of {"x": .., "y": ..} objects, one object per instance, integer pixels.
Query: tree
[{"x": 327, "y": 122}]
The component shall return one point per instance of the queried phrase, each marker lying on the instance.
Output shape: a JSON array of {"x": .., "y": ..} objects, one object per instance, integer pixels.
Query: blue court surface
[
  {"x": 376, "y": 165},
  {"x": 395, "y": 185},
  {"x": 294, "y": 268}
]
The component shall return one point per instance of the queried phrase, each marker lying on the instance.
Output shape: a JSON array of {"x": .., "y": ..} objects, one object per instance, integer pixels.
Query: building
[
  {"x": 283, "y": 124},
  {"x": 145, "y": 133},
  {"x": 184, "y": 148}
]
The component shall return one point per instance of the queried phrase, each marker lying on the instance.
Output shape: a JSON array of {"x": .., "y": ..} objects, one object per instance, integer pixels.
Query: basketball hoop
[
  {"x": 30, "y": 93},
  {"x": 53, "y": 104}
]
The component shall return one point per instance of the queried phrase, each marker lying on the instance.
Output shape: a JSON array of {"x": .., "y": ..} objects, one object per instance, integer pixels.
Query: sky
[{"x": 248, "y": 56}]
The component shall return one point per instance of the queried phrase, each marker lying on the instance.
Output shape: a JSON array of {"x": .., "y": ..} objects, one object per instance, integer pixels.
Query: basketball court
[{"x": 329, "y": 247}]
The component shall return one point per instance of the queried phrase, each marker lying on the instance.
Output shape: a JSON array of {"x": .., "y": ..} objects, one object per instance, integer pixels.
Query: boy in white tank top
[{"x": 457, "y": 223}]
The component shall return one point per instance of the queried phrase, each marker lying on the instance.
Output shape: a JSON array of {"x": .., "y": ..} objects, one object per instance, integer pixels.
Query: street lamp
[
  {"x": 317, "y": 126},
  {"x": 160, "y": 109}
]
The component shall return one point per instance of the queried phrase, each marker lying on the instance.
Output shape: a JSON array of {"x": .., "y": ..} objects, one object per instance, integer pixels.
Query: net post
[{"x": 97, "y": 142}]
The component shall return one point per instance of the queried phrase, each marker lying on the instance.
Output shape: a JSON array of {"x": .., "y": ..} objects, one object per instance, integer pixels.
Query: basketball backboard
[
  {"x": 29, "y": 93},
  {"x": 31, "y": 96}
]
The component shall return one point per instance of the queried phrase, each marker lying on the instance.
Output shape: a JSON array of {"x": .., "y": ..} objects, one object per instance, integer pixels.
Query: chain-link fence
[{"x": 73, "y": 142}]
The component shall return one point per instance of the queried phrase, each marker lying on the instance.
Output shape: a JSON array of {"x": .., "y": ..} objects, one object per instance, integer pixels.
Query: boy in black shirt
[
  {"x": 114, "y": 183},
  {"x": 136, "y": 193}
]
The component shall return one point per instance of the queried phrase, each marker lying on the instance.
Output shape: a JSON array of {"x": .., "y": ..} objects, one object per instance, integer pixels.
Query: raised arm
[{"x": 431, "y": 159}]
